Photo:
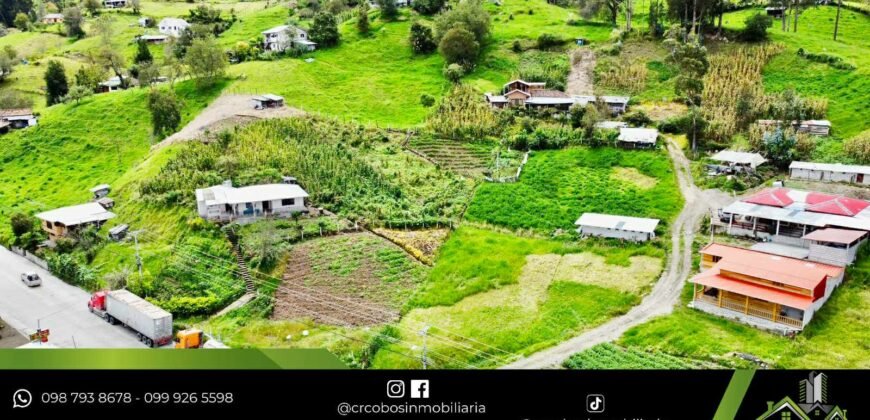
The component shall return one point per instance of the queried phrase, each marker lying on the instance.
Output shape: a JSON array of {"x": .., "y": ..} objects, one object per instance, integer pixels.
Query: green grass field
[
  {"x": 610, "y": 356},
  {"x": 556, "y": 187},
  {"x": 845, "y": 90},
  {"x": 519, "y": 294},
  {"x": 76, "y": 147}
]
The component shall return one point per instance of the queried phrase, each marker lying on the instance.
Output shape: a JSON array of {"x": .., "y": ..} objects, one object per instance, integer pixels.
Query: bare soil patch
[
  {"x": 424, "y": 242},
  {"x": 659, "y": 111},
  {"x": 350, "y": 280},
  {"x": 225, "y": 112},
  {"x": 581, "y": 79}
]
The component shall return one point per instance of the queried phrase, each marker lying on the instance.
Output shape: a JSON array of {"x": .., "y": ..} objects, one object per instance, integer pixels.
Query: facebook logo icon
[{"x": 419, "y": 388}]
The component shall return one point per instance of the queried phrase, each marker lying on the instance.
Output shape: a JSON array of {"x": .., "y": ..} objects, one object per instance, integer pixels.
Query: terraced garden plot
[{"x": 459, "y": 157}]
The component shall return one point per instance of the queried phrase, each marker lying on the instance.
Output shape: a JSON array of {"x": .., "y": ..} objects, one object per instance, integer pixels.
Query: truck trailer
[{"x": 152, "y": 324}]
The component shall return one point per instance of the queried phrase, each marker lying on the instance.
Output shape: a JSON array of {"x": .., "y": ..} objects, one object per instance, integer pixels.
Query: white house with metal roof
[
  {"x": 228, "y": 203},
  {"x": 734, "y": 158},
  {"x": 637, "y": 137},
  {"x": 60, "y": 222},
  {"x": 612, "y": 226},
  {"x": 282, "y": 37},
  {"x": 830, "y": 172},
  {"x": 172, "y": 26}
]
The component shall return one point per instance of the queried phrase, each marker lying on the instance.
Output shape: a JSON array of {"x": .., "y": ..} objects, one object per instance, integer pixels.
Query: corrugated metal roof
[
  {"x": 76, "y": 215},
  {"x": 838, "y": 236},
  {"x": 610, "y": 221},
  {"x": 221, "y": 194},
  {"x": 745, "y": 158},
  {"x": 832, "y": 167},
  {"x": 638, "y": 135},
  {"x": 777, "y": 197}
]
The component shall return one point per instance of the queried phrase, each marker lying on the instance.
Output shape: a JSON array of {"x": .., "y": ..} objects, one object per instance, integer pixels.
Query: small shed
[
  {"x": 106, "y": 202},
  {"x": 145, "y": 21},
  {"x": 745, "y": 159},
  {"x": 775, "y": 12},
  {"x": 18, "y": 118},
  {"x": 118, "y": 232},
  {"x": 290, "y": 180},
  {"x": 268, "y": 101},
  {"x": 52, "y": 18},
  {"x": 613, "y": 226},
  {"x": 636, "y": 138},
  {"x": 111, "y": 85},
  {"x": 59, "y": 222},
  {"x": 835, "y": 246},
  {"x": 153, "y": 38},
  {"x": 815, "y": 127},
  {"x": 101, "y": 191},
  {"x": 616, "y": 104},
  {"x": 830, "y": 172}
]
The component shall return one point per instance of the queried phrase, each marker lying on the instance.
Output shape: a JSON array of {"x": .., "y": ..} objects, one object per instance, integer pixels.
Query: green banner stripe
[
  {"x": 734, "y": 394},
  {"x": 145, "y": 359}
]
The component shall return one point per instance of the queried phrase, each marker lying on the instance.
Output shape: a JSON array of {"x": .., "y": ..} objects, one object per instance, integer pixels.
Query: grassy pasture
[{"x": 557, "y": 186}]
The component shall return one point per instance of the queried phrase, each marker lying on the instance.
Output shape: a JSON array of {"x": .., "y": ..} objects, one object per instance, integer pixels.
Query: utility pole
[
  {"x": 837, "y": 22},
  {"x": 138, "y": 257},
  {"x": 424, "y": 332}
]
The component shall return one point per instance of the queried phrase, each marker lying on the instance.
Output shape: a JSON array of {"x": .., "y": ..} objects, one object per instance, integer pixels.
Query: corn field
[
  {"x": 732, "y": 75},
  {"x": 623, "y": 77},
  {"x": 464, "y": 115},
  {"x": 332, "y": 160}
]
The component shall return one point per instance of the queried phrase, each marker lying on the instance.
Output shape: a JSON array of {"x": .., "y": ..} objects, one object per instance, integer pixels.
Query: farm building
[
  {"x": 637, "y": 138},
  {"x": 114, "y": 4},
  {"x": 834, "y": 246},
  {"x": 227, "y": 203},
  {"x": 52, "y": 18},
  {"x": 611, "y": 125},
  {"x": 172, "y": 26},
  {"x": 100, "y": 191},
  {"x": 785, "y": 216},
  {"x": 268, "y": 101},
  {"x": 767, "y": 291},
  {"x": 743, "y": 159},
  {"x": 815, "y": 127},
  {"x": 519, "y": 93},
  {"x": 17, "y": 118},
  {"x": 60, "y": 222},
  {"x": 113, "y": 84},
  {"x": 153, "y": 38},
  {"x": 613, "y": 226},
  {"x": 282, "y": 37},
  {"x": 774, "y": 12},
  {"x": 833, "y": 172}
]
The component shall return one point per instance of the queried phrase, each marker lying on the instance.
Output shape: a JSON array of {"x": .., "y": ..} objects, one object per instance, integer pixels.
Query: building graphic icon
[{"x": 813, "y": 403}]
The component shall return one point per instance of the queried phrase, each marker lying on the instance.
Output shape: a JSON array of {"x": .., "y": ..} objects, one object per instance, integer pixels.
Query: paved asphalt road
[{"x": 57, "y": 306}]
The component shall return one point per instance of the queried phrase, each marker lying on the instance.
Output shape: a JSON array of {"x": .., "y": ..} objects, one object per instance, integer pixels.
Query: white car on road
[{"x": 31, "y": 279}]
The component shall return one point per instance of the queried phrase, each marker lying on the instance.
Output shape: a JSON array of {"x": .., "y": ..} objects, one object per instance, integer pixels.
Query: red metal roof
[
  {"x": 791, "y": 271},
  {"x": 843, "y": 206},
  {"x": 777, "y": 197},
  {"x": 768, "y": 294},
  {"x": 837, "y": 236}
]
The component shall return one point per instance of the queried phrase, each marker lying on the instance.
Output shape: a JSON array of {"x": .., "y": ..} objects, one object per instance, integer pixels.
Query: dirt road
[
  {"x": 666, "y": 292},
  {"x": 580, "y": 79},
  {"x": 224, "y": 112}
]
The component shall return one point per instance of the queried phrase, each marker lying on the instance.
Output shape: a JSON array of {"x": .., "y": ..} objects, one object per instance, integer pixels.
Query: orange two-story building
[{"x": 768, "y": 291}]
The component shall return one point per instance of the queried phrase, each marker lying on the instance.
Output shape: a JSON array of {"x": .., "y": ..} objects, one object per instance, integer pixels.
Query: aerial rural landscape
[{"x": 451, "y": 184}]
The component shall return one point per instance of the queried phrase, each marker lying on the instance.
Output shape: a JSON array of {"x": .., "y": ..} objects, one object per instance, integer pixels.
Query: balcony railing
[{"x": 753, "y": 309}]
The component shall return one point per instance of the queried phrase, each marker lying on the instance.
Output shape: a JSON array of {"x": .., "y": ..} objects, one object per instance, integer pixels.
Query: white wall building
[
  {"x": 613, "y": 226},
  {"x": 282, "y": 37},
  {"x": 172, "y": 26},
  {"x": 832, "y": 172},
  {"x": 637, "y": 137},
  {"x": 225, "y": 202},
  {"x": 752, "y": 160}
]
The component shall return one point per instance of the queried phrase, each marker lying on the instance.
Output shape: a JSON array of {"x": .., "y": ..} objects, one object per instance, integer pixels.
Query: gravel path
[
  {"x": 665, "y": 294},
  {"x": 580, "y": 79},
  {"x": 227, "y": 109}
]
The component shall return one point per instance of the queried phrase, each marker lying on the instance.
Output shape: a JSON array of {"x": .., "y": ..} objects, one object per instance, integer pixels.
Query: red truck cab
[{"x": 97, "y": 302}]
